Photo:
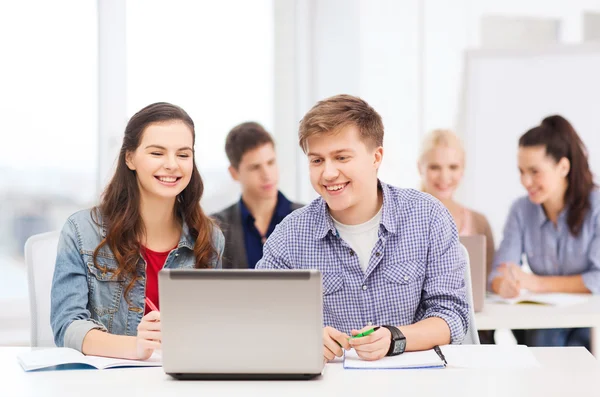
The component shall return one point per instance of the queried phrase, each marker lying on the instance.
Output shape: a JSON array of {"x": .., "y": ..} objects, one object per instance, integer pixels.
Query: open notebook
[
  {"x": 66, "y": 358},
  {"x": 457, "y": 356},
  {"x": 552, "y": 299},
  {"x": 409, "y": 360}
]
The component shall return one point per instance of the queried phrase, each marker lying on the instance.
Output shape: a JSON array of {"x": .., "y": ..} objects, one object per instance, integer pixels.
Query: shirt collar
[
  {"x": 390, "y": 211},
  {"x": 246, "y": 215},
  {"x": 542, "y": 218},
  {"x": 282, "y": 208},
  {"x": 186, "y": 239}
]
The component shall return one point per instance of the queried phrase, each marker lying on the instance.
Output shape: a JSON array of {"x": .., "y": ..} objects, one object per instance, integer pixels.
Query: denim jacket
[{"x": 86, "y": 297}]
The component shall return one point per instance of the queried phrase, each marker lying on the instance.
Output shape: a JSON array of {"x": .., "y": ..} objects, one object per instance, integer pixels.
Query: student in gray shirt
[{"x": 557, "y": 226}]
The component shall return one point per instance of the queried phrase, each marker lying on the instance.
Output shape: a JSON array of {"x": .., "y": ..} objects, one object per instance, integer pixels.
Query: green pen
[{"x": 368, "y": 332}]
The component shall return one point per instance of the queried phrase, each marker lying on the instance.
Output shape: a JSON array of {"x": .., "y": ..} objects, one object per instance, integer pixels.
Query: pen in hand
[
  {"x": 368, "y": 332},
  {"x": 152, "y": 305}
]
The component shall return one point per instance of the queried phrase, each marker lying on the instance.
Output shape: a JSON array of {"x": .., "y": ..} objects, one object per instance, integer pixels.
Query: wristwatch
[{"x": 398, "y": 342}]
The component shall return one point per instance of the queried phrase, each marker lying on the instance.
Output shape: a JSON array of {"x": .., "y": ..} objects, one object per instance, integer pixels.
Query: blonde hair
[
  {"x": 331, "y": 114},
  {"x": 440, "y": 138}
]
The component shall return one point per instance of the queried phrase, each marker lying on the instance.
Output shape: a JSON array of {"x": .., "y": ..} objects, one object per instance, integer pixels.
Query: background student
[
  {"x": 442, "y": 166},
  {"x": 249, "y": 222},
  {"x": 149, "y": 218},
  {"x": 389, "y": 257},
  {"x": 557, "y": 225}
]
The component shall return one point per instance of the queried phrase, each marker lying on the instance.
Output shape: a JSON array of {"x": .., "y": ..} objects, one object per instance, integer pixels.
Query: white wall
[
  {"x": 451, "y": 28},
  {"x": 357, "y": 47},
  {"x": 406, "y": 58}
]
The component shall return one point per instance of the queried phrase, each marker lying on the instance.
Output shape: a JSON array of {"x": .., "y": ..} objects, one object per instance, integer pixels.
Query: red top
[{"x": 154, "y": 262}]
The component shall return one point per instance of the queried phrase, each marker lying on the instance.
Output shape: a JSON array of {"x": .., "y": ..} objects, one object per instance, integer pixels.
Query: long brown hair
[
  {"x": 120, "y": 204},
  {"x": 560, "y": 139}
]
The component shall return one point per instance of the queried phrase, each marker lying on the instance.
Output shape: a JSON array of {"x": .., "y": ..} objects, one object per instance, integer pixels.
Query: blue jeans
[{"x": 559, "y": 337}]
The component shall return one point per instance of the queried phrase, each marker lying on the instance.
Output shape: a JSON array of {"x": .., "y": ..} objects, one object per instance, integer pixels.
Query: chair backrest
[
  {"x": 40, "y": 258},
  {"x": 471, "y": 338}
]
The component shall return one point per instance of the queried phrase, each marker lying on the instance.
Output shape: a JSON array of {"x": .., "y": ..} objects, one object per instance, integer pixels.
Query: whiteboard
[{"x": 508, "y": 92}]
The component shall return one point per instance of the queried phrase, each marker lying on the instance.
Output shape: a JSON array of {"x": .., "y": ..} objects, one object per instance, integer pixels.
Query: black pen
[{"x": 439, "y": 353}]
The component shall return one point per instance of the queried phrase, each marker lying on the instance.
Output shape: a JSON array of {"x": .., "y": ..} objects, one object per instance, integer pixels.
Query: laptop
[
  {"x": 476, "y": 247},
  {"x": 241, "y": 324}
]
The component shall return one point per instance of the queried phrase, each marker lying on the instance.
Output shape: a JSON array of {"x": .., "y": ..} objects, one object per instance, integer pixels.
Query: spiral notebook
[{"x": 433, "y": 358}]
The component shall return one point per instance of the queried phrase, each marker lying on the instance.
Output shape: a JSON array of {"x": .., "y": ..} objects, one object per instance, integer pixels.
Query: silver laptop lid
[{"x": 241, "y": 321}]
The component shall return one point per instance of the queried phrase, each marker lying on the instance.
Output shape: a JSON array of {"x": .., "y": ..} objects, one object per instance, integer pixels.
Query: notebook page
[
  {"x": 553, "y": 299},
  {"x": 558, "y": 299},
  {"x": 44, "y": 358},
  {"x": 106, "y": 362},
  {"x": 489, "y": 356},
  {"x": 423, "y": 359}
]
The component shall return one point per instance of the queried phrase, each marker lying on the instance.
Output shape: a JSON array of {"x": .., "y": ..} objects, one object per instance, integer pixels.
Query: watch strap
[{"x": 396, "y": 335}]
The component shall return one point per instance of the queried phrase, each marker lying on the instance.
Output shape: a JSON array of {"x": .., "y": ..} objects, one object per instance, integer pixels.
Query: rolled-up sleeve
[
  {"x": 69, "y": 317},
  {"x": 591, "y": 277},
  {"x": 511, "y": 247},
  {"x": 444, "y": 290}
]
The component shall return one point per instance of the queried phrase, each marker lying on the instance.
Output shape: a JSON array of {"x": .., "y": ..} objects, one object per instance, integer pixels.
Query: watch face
[{"x": 399, "y": 346}]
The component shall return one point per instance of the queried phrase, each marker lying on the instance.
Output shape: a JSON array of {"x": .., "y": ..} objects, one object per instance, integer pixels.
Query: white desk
[
  {"x": 527, "y": 316},
  {"x": 565, "y": 371}
]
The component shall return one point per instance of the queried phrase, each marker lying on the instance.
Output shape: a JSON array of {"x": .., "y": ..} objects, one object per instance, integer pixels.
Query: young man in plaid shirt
[{"x": 389, "y": 257}]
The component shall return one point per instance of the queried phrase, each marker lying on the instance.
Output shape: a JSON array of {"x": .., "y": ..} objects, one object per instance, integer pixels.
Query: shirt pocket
[
  {"x": 335, "y": 302},
  {"x": 403, "y": 287},
  {"x": 405, "y": 272},
  {"x": 332, "y": 283},
  {"x": 105, "y": 290}
]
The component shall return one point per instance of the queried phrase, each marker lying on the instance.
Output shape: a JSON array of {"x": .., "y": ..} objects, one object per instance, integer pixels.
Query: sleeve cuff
[
  {"x": 457, "y": 331},
  {"x": 77, "y": 331},
  {"x": 592, "y": 281}
]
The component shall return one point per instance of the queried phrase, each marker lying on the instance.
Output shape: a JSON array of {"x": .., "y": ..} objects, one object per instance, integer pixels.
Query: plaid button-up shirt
[{"x": 416, "y": 269}]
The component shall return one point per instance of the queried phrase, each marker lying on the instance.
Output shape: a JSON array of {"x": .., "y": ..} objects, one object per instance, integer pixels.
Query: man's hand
[
  {"x": 333, "y": 343},
  {"x": 374, "y": 346}
]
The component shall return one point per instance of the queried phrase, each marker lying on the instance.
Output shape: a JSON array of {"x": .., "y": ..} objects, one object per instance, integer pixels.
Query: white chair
[
  {"x": 472, "y": 337},
  {"x": 40, "y": 258}
]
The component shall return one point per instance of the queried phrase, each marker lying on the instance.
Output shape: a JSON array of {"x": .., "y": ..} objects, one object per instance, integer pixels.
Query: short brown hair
[
  {"x": 243, "y": 138},
  {"x": 331, "y": 114}
]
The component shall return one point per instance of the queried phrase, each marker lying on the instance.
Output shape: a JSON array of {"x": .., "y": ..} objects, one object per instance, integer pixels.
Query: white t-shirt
[{"x": 361, "y": 238}]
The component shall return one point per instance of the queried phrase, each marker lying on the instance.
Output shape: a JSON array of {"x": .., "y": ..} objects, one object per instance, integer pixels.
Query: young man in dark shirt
[{"x": 248, "y": 223}]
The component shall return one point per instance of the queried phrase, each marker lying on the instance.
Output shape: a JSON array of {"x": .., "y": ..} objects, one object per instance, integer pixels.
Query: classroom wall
[{"x": 405, "y": 58}]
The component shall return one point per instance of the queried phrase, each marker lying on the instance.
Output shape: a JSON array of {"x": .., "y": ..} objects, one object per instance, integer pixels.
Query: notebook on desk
[
  {"x": 410, "y": 360},
  {"x": 66, "y": 358},
  {"x": 454, "y": 356},
  {"x": 551, "y": 299}
]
